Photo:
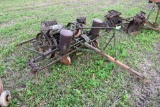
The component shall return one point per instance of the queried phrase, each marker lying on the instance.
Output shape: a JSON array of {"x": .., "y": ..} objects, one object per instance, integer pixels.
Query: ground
[{"x": 90, "y": 80}]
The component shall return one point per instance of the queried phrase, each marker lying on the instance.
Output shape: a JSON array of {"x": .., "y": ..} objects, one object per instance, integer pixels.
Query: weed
[{"x": 90, "y": 80}]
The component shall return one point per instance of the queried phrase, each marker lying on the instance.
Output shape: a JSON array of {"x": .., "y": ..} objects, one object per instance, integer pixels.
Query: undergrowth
[{"x": 90, "y": 80}]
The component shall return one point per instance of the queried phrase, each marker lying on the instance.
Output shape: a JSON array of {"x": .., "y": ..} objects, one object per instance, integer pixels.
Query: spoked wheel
[
  {"x": 133, "y": 28},
  {"x": 44, "y": 44}
]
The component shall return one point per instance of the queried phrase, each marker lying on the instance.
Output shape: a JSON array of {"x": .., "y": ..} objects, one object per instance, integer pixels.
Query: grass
[{"x": 91, "y": 80}]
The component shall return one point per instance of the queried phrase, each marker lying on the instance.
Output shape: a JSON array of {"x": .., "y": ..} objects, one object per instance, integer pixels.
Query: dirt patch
[
  {"x": 149, "y": 94},
  {"x": 17, "y": 76}
]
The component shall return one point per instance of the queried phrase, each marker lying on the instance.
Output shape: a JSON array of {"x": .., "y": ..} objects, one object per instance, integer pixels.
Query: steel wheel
[{"x": 44, "y": 44}]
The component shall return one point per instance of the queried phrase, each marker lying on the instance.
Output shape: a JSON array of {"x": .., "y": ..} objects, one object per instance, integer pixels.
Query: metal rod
[
  {"x": 149, "y": 23},
  {"x": 129, "y": 69},
  {"x": 153, "y": 8},
  {"x": 96, "y": 28},
  {"x": 115, "y": 45},
  {"x": 108, "y": 42},
  {"x": 157, "y": 15},
  {"x": 58, "y": 59},
  {"x": 149, "y": 28},
  {"x": 152, "y": 25},
  {"x": 44, "y": 55},
  {"x": 26, "y": 41},
  {"x": 50, "y": 64},
  {"x": 34, "y": 51}
]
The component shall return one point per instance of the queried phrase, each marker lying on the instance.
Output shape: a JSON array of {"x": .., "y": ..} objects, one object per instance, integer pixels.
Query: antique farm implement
[
  {"x": 141, "y": 21},
  {"x": 133, "y": 24},
  {"x": 130, "y": 25},
  {"x": 57, "y": 42}
]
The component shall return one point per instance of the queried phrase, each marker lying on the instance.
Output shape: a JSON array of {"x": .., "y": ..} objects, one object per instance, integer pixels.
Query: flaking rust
[
  {"x": 112, "y": 19},
  {"x": 133, "y": 25},
  {"x": 58, "y": 42},
  {"x": 130, "y": 25},
  {"x": 136, "y": 23},
  {"x": 140, "y": 20}
]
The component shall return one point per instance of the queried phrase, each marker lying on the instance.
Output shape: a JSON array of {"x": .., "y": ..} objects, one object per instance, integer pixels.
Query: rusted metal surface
[
  {"x": 44, "y": 43},
  {"x": 65, "y": 41},
  {"x": 57, "y": 42},
  {"x": 154, "y": 1},
  {"x": 132, "y": 25},
  {"x": 45, "y": 25},
  {"x": 137, "y": 23},
  {"x": 96, "y": 23},
  {"x": 64, "y": 45},
  {"x": 34, "y": 67},
  {"x": 26, "y": 41},
  {"x": 139, "y": 18},
  {"x": 75, "y": 26},
  {"x": 140, "y": 21},
  {"x": 112, "y": 19},
  {"x": 81, "y": 21}
]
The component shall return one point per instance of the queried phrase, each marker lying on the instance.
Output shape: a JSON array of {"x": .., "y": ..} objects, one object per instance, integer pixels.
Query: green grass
[{"x": 90, "y": 80}]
